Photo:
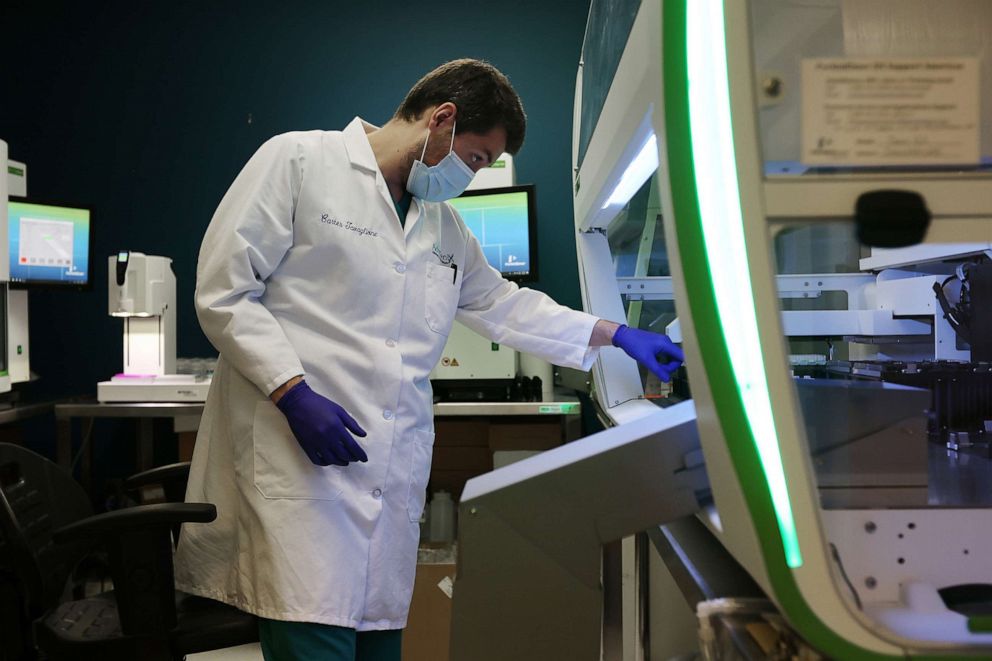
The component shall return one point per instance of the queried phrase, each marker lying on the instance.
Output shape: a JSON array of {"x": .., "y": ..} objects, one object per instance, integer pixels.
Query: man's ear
[{"x": 443, "y": 115}]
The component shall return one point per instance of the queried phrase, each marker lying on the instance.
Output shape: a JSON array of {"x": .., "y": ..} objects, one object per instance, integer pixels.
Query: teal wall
[{"x": 147, "y": 111}]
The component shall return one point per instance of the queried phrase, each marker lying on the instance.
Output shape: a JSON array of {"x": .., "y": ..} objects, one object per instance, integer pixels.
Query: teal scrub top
[{"x": 403, "y": 206}]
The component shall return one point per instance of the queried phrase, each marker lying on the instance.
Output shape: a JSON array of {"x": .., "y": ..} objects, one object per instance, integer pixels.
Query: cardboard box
[{"x": 428, "y": 630}]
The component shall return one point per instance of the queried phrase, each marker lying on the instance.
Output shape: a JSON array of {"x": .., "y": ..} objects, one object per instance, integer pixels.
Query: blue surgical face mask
[{"x": 436, "y": 183}]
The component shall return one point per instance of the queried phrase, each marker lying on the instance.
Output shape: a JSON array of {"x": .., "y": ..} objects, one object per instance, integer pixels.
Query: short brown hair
[{"x": 483, "y": 95}]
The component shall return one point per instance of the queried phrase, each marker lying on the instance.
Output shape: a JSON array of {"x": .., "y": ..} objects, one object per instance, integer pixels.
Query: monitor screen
[
  {"x": 503, "y": 220},
  {"x": 49, "y": 245}
]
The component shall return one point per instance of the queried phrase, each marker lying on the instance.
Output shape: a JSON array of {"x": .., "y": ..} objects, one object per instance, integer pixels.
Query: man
[{"x": 328, "y": 279}]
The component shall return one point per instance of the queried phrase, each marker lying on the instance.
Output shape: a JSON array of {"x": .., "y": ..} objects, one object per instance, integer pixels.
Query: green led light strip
[{"x": 721, "y": 216}]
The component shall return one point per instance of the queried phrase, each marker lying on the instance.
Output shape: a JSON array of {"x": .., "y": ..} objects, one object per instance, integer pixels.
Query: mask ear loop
[
  {"x": 440, "y": 220},
  {"x": 424, "y": 150}
]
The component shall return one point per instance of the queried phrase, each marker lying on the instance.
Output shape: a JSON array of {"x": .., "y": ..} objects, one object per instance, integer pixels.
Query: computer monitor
[
  {"x": 504, "y": 221},
  {"x": 49, "y": 245}
]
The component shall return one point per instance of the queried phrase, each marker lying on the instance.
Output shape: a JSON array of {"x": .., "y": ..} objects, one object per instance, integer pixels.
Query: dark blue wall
[{"x": 147, "y": 111}]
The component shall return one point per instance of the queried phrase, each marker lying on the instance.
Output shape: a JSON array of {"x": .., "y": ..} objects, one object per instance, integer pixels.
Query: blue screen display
[
  {"x": 48, "y": 244},
  {"x": 501, "y": 222}
]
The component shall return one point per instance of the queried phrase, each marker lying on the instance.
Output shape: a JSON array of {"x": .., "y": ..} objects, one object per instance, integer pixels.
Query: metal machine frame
[
  {"x": 686, "y": 88},
  {"x": 775, "y": 526},
  {"x": 750, "y": 423},
  {"x": 531, "y": 535}
]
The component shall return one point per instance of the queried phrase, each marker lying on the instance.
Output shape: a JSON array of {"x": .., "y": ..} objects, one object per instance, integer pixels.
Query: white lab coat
[{"x": 305, "y": 269}]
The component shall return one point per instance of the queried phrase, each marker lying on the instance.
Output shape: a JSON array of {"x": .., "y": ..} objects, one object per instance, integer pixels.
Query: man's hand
[
  {"x": 322, "y": 428},
  {"x": 646, "y": 348}
]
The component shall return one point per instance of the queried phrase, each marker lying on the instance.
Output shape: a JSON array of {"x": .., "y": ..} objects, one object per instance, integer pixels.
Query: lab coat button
[
  {"x": 387, "y": 414},
  {"x": 377, "y": 493},
  {"x": 390, "y": 342},
  {"x": 401, "y": 268}
]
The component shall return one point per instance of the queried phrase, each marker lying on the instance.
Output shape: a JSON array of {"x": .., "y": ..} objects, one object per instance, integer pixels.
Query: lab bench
[
  {"x": 19, "y": 411},
  {"x": 184, "y": 415},
  {"x": 467, "y": 432},
  {"x": 22, "y": 411}
]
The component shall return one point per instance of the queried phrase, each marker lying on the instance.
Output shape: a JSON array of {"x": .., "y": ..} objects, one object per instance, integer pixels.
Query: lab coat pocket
[
  {"x": 281, "y": 468},
  {"x": 420, "y": 472},
  {"x": 441, "y": 297}
]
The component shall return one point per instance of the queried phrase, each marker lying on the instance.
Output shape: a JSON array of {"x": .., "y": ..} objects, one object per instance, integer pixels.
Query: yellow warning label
[{"x": 454, "y": 362}]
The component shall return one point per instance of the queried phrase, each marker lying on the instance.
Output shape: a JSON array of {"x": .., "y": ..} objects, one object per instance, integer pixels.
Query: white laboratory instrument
[
  {"x": 5, "y": 379},
  {"x": 18, "y": 338},
  {"x": 18, "y": 345},
  {"x": 467, "y": 356},
  {"x": 142, "y": 291}
]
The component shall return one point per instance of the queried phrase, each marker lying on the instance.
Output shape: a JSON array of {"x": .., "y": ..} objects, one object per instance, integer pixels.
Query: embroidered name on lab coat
[
  {"x": 348, "y": 225},
  {"x": 444, "y": 259}
]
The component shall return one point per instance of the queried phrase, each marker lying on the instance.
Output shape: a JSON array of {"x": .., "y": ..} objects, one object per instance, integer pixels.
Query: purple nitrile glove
[
  {"x": 645, "y": 347},
  {"x": 322, "y": 428}
]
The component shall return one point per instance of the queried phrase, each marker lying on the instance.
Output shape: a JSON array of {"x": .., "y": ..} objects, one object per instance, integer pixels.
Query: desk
[
  {"x": 564, "y": 411},
  {"x": 143, "y": 412},
  {"x": 18, "y": 412},
  {"x": 11, "y": 413}
]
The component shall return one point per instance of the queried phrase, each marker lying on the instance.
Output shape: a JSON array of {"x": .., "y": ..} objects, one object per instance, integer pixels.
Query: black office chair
[
  {"x": 46, "y": 526},
  {"x": 170, "y": 480}
]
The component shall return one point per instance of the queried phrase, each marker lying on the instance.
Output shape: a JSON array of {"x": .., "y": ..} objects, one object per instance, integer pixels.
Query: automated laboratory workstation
[
  {"x": 7, "y": 182},
  {"x": 141, "y": 291},
  {"x": 801, "y": 194},
  {"x": 502, "y": 215},
  {"x": 39, "y": 248}
]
